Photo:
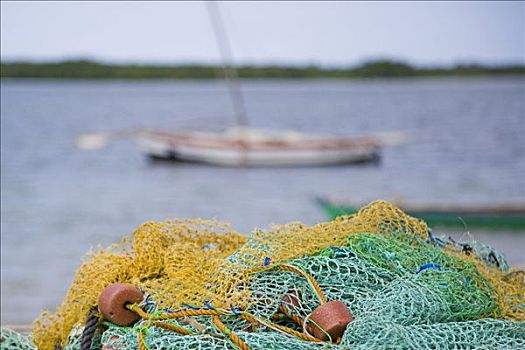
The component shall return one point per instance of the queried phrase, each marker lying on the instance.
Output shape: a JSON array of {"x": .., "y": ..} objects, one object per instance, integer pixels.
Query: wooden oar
[{"x": 98, "y": 140}]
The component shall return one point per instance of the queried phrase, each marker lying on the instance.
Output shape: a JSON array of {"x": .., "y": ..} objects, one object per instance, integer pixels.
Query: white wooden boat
[
  {"x": 243, "y": 146},
  {"x": 258, "y": 148}
]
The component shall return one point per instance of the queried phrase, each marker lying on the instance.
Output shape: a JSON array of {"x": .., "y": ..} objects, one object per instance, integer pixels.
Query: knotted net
[{"x": 404, "y": 287}]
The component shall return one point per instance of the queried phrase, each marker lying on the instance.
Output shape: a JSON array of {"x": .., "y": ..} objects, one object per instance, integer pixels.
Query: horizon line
[{"x": 279, "y": 63}]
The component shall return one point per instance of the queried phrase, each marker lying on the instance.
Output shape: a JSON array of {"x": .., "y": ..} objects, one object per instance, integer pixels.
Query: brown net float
[
  {"x": 330, "y": 318},
  {"x": 113, "y": 300}
]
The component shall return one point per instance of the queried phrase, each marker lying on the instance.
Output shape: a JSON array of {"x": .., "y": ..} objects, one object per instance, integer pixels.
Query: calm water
[{"x": 58, "y": 201}]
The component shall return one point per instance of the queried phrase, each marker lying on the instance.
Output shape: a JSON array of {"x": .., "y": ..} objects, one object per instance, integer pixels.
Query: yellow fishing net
[{"x": 196, "y": 261}]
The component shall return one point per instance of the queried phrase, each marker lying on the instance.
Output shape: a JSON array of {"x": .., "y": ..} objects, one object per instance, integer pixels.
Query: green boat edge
[{"x": 456, "y": 220}]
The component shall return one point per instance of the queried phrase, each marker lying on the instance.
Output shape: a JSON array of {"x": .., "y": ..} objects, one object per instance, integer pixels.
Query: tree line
[{"x": 84, "y": 69}]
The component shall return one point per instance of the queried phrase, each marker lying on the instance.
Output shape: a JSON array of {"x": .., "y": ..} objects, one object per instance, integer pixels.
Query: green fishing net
[{"x": 11, "y": 340}]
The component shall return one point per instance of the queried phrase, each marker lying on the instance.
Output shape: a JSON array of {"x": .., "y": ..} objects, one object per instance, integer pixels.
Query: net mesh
[
  {"x": 404, "y": 287},
  {"x": 11, "y": 340}
]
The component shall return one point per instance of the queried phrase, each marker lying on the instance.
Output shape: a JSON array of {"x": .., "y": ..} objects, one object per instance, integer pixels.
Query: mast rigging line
[{"x": 230, "y": 73}]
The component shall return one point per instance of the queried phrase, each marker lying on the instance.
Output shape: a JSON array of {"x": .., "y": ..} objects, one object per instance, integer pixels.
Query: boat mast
[{"x": 230, "y": 73}]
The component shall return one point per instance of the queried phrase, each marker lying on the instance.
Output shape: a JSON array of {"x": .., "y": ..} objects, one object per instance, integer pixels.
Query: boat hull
[
  {"x": 230, "y": 153},
  {"x": 490, "y": 219}
]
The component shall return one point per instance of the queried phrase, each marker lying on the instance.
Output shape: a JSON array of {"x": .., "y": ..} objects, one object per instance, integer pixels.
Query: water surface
[{"x": 58, "y": 201}]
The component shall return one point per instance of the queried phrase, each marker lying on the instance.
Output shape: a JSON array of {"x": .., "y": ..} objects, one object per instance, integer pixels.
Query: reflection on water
[{"x": 58, "y": 201}]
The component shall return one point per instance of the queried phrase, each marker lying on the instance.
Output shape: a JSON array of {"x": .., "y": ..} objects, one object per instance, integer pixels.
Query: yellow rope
[
  {"x": 174, "y": 315},
  {"x": 142, "y": 343},
  {"x": 296, "y": 318},
  {"x": 217, "y": 313},
  {"x": 222, "y": 327},
  {"x": 287, "y": 330},
  {"x": 311, "y": 280},
  {"x": 172, "y": 327}
]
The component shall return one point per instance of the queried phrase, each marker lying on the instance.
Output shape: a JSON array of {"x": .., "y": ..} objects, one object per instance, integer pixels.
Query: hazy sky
[{"x": 280, "y": 32}]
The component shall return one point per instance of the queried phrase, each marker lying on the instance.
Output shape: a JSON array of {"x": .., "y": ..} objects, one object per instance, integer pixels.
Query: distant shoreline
[{"x": 375, "y": 69}]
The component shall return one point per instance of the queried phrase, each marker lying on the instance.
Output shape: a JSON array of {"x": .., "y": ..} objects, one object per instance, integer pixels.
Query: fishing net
[
  {"x": 12, "y": 340},
  {"x": 404, "y": 287}
]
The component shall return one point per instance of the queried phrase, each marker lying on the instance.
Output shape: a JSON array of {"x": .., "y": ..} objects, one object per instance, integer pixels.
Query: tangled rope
[
  {"x": 158, "y": 318},
  {"x": 291, "y": 268},
  {"x": 215, "y": 313},
  {"x": 234, "y": 338}
]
